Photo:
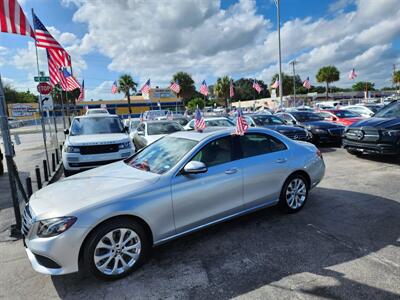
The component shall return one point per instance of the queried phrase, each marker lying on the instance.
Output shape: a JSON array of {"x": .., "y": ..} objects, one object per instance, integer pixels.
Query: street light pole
[
  {"x": 277, "y": 3},
  {"x": 293, "y": 63}
]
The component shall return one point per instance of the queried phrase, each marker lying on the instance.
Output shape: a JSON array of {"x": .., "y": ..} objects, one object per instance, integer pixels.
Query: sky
[{"x": 208, "y": 39}]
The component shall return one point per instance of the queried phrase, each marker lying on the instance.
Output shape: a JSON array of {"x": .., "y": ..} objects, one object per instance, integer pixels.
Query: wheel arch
[
  {"x": 304, "y": 174},
  {"x": 131, "y": 218}
]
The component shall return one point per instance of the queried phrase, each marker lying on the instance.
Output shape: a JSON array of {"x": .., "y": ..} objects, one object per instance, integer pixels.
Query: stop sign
[{"x": 44, "y": 88}]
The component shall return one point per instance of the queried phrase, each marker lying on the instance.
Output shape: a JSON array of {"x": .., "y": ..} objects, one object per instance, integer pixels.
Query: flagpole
[{"x": 41, "y": 108}]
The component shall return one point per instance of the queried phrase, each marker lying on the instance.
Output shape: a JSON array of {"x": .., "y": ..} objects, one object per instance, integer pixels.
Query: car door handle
[
  {"x": 231, "y": 171},
  {"x": 281, "y": 160}
]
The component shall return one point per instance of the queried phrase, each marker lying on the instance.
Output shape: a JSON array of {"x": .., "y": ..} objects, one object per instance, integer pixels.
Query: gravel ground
[{"x": 343, "y": 245}]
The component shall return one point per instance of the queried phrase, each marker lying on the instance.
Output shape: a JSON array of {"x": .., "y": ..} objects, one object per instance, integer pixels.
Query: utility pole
[
  {"x": 293, "y": 63},
  {"x": 278, "y": 21}
]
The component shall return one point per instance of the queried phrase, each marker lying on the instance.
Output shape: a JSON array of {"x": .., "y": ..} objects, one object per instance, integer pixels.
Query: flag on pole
[
  {"x": 175, "y": 87},
  {"x": 45, "y": 40},
  {"x": 13, "y": 19},
  {"x": 54, "y": 69},
  {"x": 352, "y": 74},
  {"x": 231, "y": 90},
  {"x": 241, "y": 124},
  {"x": 199, "y": 123},
  {"x": 256, "y": 86},
  {"x": 146, "y": 87},
  {"x": 204, "y": 88},
  {"x": 307, "y": 84},
  {"x": 82, "y": 94},
  {"x": 275, "y": 85},
  {"x": 141, "y": 117},
  {"x": 68, "y": 82},
  {"x": 114, "y": 88}
]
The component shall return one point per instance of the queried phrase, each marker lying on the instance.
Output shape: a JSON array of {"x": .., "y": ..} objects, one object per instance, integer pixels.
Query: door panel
[{"x": 202, "y": 198}]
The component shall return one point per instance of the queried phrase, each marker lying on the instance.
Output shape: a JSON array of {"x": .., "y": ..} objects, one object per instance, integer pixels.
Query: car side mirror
[
  {"x": 194, "y": 167},
  {"x": 140, "y": 132},
  {"x": 294, "y": 122},
  {"x": 66, "y": 131}
]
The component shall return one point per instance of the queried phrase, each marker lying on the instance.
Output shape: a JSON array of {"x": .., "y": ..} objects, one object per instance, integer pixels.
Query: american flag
[
  {"x": 175, "y": 87},
  {"x": 307, "y": 83},
  {"x": 45, "y": 40},
  {"x": 352, "y": 74},
  {"x": 54, "y": 69},
  {"x": 199, "y": 123},
  {"x": 256, "y": 86},
  {"x": 146, "y": 87},
  {"x": 204, "y": 88},
  {"x": 275, "y": 85},
  {"x": 241, "y": 124},
  {"x": 114, "y": 88},
  {"x": 13, "y": 19},
  {"x": 68, "y": 82},
  {"x": 231, "y": 90},
  {"x": 82, "y": 94}
]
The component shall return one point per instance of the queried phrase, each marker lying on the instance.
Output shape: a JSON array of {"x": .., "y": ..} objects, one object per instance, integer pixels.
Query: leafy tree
[
  {"x": 192, "y": 104},
  {"x": 244, "y": 90},
  {"x": 328, "y": 74},
  {"x": 221, "y": 88},
  {"x": 362, "y": 86},
  {"x": 388, "y": 88},
  {"x": 126, "y": 85},
  {"x": 13, "y": 96},
  {"x": 287, "y": 83},
  {"x": 396, "y": 78},
  {"x": 187, "y": 85}
]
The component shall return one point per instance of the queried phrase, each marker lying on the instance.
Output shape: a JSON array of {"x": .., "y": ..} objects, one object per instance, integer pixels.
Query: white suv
[{"x": 95, "y": 140}]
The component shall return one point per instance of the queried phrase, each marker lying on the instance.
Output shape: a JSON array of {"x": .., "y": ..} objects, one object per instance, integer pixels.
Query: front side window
[
  {"x": 97, "y": 125},
  {"x": 258, "y": 144},
  {"x": 216, "y": 152}
]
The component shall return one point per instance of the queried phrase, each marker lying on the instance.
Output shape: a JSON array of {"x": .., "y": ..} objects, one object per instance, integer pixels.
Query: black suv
[{"x": 379, "y": 134}]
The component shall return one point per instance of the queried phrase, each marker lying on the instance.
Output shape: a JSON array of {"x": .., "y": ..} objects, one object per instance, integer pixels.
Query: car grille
[
  {"x": 98, "y": 149},
  {"x": 336, "y": 131},
  {"x": 26, "y": 221},
  {"x": 91, "y": 163},
  {"x": 298, "y": 135},
  {"x": 367, "y": 135}
]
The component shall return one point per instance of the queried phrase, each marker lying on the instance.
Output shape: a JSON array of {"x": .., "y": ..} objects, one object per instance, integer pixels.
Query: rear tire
[
  {"x": 294, "y": 193},
  {"x": 116, "y": 249}
]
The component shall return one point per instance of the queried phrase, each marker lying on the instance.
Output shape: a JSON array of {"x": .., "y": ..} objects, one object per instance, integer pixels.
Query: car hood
[
  {"x": 89, "y": 189},
  {"x": 383, "y": 123},
  {"x": 321, "y": 124},
  {"x": 97, "y": 139}
]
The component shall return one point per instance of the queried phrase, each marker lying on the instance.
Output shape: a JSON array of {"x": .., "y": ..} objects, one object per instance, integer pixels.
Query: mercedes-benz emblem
[
  {"x": 360, "y": 134},
  {"x": 295, "y": 137}
]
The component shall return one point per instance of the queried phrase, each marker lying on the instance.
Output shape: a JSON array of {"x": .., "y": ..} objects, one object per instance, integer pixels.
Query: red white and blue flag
[
  {"x": 231, "y": 90},
  {"x": 82, "y": 94},
  {"x": 306, "y": 83},
  {"x": 352, "y": 74},
  {"x": 275, "y": 85},
  {"x": 146, "y": 87},
  {"x": 199, "y": 123},
  {"x": 257, "y": 86},
  {"x": 45, "y": 40},
  {"x": 175, "y": 87},
  {"x": 13, "y": 19},
  {"x": 68, "y": 82},
  {"x": 241, "y": 124},
  {"x": 204, "y": 88},
  {"x": 114, "y": 88}
]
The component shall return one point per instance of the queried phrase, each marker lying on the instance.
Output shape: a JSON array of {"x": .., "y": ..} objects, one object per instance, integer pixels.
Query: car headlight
[
  {"x": 54, "y": 226},
  {"x": 318, "y": 130},
  {"x": 72, "y": 149},
  {"x": 124, "y": 145},
  {"x": 393, "y": 132}
]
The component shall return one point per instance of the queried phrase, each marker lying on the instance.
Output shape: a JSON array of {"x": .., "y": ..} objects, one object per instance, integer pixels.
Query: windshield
[
  {"x": 97, "y": 111},
  {"x": 267, "y": 120},
  {"x": 134, "y": 125},
  {"x": 163, "y": 128},
  {"x": 346, "y": 114},
  {"x": 307, "y": 116},
  {"x": 390, "y": 111},
  {"x": 98, "y": 125},
  {"x": 162, "y": 155}
]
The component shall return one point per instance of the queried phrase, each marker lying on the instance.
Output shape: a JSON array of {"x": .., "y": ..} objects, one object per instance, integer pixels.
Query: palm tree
[
  {"x": 396, "y": 78},
  {"x": 126, "y": 85},
  {"x": 186, "y": 83},
  {"x": 328, "y": 74},
  {"x": 221, "y": 88}
]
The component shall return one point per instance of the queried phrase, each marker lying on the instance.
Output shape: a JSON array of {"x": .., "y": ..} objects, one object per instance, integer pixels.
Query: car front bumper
[{"x": 377, "y": 148}]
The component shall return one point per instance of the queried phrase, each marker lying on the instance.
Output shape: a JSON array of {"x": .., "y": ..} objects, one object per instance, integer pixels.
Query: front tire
[
  {"x": 115, "y": 249},
  {"x": 294, "y": 194}
]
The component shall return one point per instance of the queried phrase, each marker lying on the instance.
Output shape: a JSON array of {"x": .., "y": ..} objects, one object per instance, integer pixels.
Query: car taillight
[{"x": 319, "y": 154}]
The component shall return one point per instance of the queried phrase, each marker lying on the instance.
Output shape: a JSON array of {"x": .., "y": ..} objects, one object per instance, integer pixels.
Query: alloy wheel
[{"x": 296, "y": 193}]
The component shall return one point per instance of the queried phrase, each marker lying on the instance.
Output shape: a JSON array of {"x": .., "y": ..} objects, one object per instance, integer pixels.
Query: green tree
[
  {"x": 221, "y": 89},
  {"x": 244, "y": 90},
  {"x": 126, "y": 85},
  {"x": 196, "y": 102},
  {"x": 287, "y": 83},
  {"x": 328, "y": 74},
  {"x": 363, "y": 85},
  {"x": 13, "y": 96},
  {"x": 396, "y": 78},
  {"x": 187, "y": 85}
]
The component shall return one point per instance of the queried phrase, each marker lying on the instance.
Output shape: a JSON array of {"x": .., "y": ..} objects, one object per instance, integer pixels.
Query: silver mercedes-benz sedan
[{"x": 107, "y": 219}]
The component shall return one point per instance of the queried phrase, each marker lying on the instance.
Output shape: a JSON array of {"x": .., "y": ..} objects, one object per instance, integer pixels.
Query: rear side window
[{"x": 259, "y": 144}]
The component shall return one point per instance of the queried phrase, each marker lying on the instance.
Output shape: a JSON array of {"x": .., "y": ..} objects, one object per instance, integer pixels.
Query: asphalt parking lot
[{"x": 343, "y": 245}]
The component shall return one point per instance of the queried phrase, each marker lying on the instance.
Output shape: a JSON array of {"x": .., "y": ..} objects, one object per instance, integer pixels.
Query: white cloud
[{"x": 339, "y": 5}]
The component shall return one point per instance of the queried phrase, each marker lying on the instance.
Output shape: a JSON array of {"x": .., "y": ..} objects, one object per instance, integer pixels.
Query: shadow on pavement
[
  {"x": 389, "y": 159},
  {"x": 257, "y": 250}
]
